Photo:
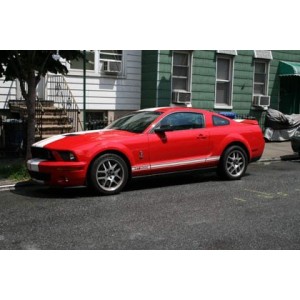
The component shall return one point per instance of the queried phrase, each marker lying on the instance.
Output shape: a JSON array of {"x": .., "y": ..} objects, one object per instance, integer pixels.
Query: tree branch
[
  {"x": 21, "y": 74},
  {"x": 44, "y": 64}
]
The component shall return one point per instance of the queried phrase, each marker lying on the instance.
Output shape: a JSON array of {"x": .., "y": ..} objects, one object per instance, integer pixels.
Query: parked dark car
[{"x": 295, "y": 141}]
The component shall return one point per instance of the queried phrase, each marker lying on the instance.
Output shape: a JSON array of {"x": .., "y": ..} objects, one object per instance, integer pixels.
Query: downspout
[
  {"x": 157, "y": 78},
  {"x": 84, "y": 88}
]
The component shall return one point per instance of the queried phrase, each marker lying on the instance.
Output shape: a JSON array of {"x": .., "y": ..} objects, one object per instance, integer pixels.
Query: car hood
[{"x": 77, "y": 139}]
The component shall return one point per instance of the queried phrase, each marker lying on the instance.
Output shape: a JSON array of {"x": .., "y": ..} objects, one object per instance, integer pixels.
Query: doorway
[{"x": 289, "y": 95}]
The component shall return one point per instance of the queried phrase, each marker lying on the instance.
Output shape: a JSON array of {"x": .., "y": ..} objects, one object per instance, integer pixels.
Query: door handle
[{"x": 202, "y": 137}]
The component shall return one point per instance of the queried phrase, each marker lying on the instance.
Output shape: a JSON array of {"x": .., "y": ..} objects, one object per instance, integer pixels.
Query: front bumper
[{"x": 57, "y": 173}]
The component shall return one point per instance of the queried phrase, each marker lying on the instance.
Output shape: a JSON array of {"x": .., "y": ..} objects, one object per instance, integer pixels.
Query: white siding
[
  {"x": 111, "y": 93},
  {"x": 102, "y": 93},
  {"x": 7, "y": 92}
]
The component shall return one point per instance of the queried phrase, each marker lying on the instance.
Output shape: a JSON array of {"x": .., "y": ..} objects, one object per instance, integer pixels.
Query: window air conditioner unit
[
  {"x": 112, "y": 67},
  {"x": 261, "y": 101},
  {"x": 181, "y": 97}
]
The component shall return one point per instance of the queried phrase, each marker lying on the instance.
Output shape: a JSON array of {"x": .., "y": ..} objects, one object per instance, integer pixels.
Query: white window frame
[
  {"x": 79, "y": 72},
  {"x": 189, "y": 77},
  {"x": 97, "y": 67},
  {"x": 267, "y": 68},
  {"x": 231, "y": 76},
  {"x": 263, "y": 54},
  {"x": 102, "y": 60}
]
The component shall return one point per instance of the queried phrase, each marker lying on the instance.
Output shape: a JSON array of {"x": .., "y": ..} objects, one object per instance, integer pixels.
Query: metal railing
[{"x": 61, "y": 95}]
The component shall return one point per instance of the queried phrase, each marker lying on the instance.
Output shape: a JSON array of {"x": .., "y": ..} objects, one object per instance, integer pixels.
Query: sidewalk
[
  {"x": 278, "y": 151},
  {"x": 273, "y": 151}
]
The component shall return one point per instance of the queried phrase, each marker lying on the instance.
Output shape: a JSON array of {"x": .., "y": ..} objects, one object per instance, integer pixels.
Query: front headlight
[{"x": 67, "y": 155}]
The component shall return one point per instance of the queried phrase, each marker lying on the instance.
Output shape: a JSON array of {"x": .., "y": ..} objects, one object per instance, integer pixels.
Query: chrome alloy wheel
[
  {"x": 235, "y": 163},
  {"x": 110, "y": 175}
]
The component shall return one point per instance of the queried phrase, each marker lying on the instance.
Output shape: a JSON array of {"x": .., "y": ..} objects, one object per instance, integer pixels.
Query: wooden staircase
[{"x": 50, "y": 119}]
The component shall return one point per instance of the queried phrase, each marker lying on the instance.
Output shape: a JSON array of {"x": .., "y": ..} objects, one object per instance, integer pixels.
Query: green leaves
[{"x": 17, "y": 64}]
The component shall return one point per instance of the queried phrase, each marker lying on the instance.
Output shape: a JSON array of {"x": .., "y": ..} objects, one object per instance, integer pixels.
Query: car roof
[{"x": 174, "y": 109}]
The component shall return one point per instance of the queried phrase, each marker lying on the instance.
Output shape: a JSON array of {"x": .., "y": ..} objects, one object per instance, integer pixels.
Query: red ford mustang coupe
[{"x": 147, "y": 142}]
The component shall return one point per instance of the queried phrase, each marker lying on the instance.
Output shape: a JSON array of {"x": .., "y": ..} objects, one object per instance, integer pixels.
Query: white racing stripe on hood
[
  {"x": 47, "y": 141},
  {"x": 55, "y": 138}
]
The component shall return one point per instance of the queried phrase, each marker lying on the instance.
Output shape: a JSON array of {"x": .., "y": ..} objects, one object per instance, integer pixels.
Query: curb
[
  {"x": 12, "y": 187},
  {"x": 269, "y": 159},
  {"x": 8, "y": 187}
]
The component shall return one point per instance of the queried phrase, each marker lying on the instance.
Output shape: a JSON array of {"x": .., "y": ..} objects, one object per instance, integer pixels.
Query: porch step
[
  {"x": 55, "y": 120},
  {"x": 50, "y": 120}
]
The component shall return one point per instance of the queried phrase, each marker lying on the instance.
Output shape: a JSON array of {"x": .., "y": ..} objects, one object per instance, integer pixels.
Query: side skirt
[{"x": 201, "y": 170}]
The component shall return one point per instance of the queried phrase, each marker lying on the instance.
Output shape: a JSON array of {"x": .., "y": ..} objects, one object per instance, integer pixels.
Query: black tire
[
  {"x": 233, "y": 163},
  {"x": 108, "y": 174}
]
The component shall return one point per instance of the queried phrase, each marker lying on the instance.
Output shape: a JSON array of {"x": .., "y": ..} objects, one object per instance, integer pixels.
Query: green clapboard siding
[
  {"x": 164, "y": 86},
  {"x": 149, "y": 77},
  {"x": 157, "y": 79}
]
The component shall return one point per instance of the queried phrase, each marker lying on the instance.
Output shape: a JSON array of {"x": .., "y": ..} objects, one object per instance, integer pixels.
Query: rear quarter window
[{"x": 219, "y": 121}]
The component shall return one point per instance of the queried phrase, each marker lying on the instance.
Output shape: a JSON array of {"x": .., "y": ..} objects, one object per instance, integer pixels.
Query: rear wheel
[
  {"x": 109, "y": 174},
  {"x": 233, "y": 163}
]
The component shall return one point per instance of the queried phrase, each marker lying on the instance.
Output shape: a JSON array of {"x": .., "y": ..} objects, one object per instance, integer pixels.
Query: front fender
[{"x": 114, "y": 147}]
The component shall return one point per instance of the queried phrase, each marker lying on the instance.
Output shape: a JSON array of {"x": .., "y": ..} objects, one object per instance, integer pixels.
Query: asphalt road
[{"x": 187, "y": 211}]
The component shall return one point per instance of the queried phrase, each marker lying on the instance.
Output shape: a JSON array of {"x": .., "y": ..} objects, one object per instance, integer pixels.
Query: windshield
[{"x": 136, "y": 122}]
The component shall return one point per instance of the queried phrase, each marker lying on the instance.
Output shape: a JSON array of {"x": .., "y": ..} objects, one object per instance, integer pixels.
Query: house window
[
  {"x": 181, "y": 71},
  {"x": 224, "y": 81},
  {"x": 111, "y": 62},
  {"x": 90, "y": 63},
  {"x": 261, "y": 78},
  {"x": 105, "y": 62}
]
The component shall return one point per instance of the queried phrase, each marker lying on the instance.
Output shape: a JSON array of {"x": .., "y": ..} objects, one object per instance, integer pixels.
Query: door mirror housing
[{"x": 163, "y": 129}]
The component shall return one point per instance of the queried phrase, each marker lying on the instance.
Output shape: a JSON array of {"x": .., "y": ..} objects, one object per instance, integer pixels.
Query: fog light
[{"x": 63, "y": 180}]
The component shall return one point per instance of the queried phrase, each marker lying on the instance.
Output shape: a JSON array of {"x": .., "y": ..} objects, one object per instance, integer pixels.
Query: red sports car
[{"x": 147, "y": 142}]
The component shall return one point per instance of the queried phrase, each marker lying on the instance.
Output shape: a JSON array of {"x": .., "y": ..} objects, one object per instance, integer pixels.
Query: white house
[{"x": 113, "y": 84}]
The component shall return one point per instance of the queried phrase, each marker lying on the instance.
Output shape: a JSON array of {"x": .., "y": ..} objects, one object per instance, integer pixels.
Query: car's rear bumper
[{"x": 57, "y": 173}]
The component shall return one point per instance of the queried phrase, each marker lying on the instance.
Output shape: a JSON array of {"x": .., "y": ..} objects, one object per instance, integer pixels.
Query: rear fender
[{"x": 234, "y": 139}]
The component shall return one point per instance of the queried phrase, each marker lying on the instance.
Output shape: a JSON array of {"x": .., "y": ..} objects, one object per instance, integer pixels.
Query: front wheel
[
  {"x": 233, "y": 163},
  {"x": 109, "y": 174}
]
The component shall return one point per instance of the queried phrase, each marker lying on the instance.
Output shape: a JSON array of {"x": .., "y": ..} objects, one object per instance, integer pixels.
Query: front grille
[
  {"x": 40, "y": 176},
  {"x": 41, "y": 153}
]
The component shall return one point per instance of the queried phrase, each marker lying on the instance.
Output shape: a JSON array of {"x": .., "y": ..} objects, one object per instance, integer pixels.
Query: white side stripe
[
  {"x": 179, "y": 163},
  {"x": 213, "y": 158},
  {"x": 174, "y": 164}
]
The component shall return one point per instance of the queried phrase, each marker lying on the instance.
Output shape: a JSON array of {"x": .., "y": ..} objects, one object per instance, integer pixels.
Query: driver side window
[{"x": 182, "y": 121}]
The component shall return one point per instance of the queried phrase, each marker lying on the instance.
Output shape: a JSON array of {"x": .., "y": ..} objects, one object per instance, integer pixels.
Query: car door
[{"x": 179, "y": 142}]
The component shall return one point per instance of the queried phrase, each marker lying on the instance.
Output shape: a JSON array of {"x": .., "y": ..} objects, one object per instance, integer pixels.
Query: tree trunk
[{"x": 30, "y": 103}]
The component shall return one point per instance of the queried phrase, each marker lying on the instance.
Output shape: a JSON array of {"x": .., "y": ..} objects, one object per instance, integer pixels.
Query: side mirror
[{"x": 163, "y": 129}]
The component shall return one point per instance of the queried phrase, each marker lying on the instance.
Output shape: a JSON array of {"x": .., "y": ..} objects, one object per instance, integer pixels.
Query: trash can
[
  {"x": 14, "y": 133},
  {"x": 228, "y": 114}
]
